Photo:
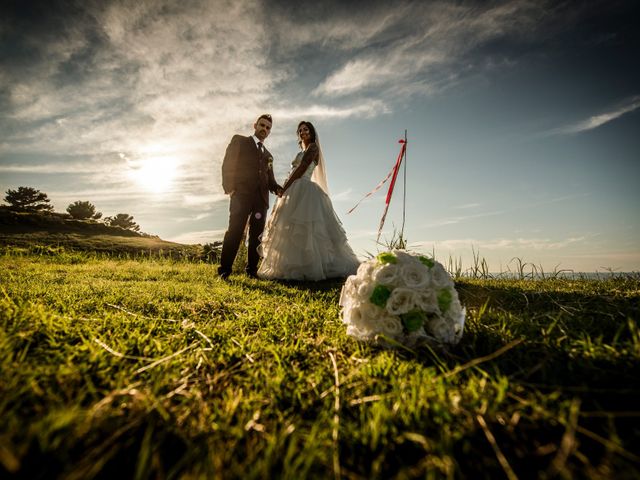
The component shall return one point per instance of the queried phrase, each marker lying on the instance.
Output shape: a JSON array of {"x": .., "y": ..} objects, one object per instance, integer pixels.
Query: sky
[{"x": 522, "y": 117}]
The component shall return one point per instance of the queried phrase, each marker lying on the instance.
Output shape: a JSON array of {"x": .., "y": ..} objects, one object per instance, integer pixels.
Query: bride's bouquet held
[{"x": 400, "y": 297}]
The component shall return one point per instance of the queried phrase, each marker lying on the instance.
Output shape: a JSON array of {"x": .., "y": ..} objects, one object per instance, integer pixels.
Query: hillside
[{"x": 28, "y": 230}]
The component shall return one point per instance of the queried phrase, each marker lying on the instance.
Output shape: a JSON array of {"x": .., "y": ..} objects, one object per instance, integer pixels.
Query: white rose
[
  {"x": 439, "y": 277},
  {"x": 415, "y": 275},
  {"x": 364, "y": 291},
  {"x": 403, "y": 257},
  {"x": 441, "y": 329},
  {"x": 455, "y": 308},
  {"x": 363, "y": 316},
  {"x": 390, "y": 326},
  {"x": 349, "y": 290},
  {"x": 458, "y": 325},
  {"x": 359, "y": 334},
  {"x": 400, "y": 301},
  {"x": 427, "y": 301},
  {"x": 386, "y": 274},
  {"x": 353, "y": 315},
  {"x": 366, "y": 269},
  {"x": 371, "y": 312}
]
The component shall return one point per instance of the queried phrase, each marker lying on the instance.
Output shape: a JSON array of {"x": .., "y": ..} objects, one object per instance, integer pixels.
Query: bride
[{"x": 304, "y": 239}]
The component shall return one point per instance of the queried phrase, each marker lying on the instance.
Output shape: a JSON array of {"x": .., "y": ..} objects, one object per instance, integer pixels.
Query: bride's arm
[{"x": 310, "y": 155}]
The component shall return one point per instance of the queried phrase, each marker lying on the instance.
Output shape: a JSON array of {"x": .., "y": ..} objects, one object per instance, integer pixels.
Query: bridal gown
[{"x": 304, "y": 239}]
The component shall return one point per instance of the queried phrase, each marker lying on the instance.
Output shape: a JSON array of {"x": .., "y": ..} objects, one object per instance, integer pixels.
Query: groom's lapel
[
  {"x": 252, "y": 149},
  {"x": 260, "y": 156}
]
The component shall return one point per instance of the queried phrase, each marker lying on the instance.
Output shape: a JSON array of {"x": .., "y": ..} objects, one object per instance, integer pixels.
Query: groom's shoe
[
  {"x": 252, "y": 273},
  {"x": 223, "y": 274}
]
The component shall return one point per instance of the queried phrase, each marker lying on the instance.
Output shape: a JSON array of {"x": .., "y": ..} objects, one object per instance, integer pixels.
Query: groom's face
[{"x": 262, "y": 128}]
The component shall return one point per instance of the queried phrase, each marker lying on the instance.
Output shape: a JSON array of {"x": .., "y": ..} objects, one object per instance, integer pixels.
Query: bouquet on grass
[{"x": 402, "y": 297}]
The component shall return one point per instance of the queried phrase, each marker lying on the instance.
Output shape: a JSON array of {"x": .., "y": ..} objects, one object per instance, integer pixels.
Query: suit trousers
[{"x": 243, "y": 206}]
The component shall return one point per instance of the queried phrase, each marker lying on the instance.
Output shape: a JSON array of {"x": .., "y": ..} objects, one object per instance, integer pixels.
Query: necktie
[{"x": 260, "y": 147}]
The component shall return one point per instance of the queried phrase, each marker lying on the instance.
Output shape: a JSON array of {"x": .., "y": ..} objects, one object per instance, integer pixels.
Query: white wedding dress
[{"x": 304, "y": 239}]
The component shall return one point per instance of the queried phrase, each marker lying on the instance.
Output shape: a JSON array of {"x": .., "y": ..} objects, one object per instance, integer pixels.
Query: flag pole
[
  {"x": 394, "y": 176},
  {"x": 404, "y": 187}
]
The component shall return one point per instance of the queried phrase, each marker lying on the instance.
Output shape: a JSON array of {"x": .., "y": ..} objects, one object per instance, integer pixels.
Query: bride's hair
[{"x": 312, "y": 131}]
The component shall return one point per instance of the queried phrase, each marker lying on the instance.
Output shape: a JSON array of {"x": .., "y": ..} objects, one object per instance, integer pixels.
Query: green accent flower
[
  {"x": 387, "y": 257},
  {"x": 426, "y": 261},
  {"x": 380, "y": 295},
  {"x": 413, "y": 320},
  {"x": 444, "y": 299}
]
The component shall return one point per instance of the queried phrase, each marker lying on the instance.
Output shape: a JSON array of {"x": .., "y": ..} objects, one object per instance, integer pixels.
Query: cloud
[
  {"x": 203, "y": 199},
  {"x": 110, "y": 196},
  {"x": 120, "y": 83},
  {"x": 628, "y": 106},
  {"x": 146, "y": 73},
  {"x": 365, "y": 109},
  {"x": 434, "y": 50},
  {"x": 62, "y": 167},
  {"x": 344, "y": 196},
  {"x": 336, "y": 26},
  {"x": 201, "y": 237},
  {"x": 125, "y": 87},
  {"x": 516, "y": 244},
  {"x": 462, "y": 218}
]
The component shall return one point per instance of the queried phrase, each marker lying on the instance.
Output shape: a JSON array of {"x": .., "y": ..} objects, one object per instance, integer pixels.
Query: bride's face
[{"x": 304, "y": 134}]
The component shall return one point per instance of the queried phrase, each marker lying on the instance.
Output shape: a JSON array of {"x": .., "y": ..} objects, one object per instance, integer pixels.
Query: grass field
[{"x": 154, "y": 368}]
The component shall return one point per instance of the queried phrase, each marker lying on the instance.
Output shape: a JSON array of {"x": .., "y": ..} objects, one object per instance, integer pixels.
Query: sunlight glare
[{"x": 155, "y": 174}]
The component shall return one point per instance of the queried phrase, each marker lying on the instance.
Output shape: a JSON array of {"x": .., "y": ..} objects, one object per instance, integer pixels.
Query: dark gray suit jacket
[{"x": 246, "y": 170}]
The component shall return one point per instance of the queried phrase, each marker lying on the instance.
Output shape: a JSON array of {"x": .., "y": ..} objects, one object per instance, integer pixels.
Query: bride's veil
[{"x": 319, "y": 174}]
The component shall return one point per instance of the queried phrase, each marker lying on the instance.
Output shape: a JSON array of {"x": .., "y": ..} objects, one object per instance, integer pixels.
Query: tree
[
  {"x": 27, "y": 199},
  {"x": 83, "y": 210},
  {"x": 123, "y": 220}
]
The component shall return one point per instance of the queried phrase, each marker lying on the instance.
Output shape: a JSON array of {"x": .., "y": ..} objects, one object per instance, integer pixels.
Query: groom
[{"x": 247, "y": 177}]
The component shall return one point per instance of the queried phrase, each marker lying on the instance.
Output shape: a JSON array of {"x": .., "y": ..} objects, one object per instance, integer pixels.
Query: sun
[{"x": 155, "y": 173}]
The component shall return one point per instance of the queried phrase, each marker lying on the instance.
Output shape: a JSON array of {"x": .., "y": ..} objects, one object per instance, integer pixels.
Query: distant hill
[
  {"x": 26, "y": 222},
  {"x": 22, "y": 229}
]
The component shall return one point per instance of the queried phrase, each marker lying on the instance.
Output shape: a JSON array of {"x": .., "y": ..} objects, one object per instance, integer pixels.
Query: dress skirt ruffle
[{"x": 304, "y": 239}]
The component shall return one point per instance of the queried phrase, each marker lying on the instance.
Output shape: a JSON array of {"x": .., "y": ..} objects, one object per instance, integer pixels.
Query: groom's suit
[{"x": 247, "y": 174}]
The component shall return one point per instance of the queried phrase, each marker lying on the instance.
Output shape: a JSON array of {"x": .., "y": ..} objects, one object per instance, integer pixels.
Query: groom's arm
[
  {"x": 230, "y": 165},
  {"x": 274, "y": 187}
]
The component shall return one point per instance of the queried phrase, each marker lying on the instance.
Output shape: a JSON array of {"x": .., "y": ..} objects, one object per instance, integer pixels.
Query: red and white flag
[{"x": 393, "y": 174}]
